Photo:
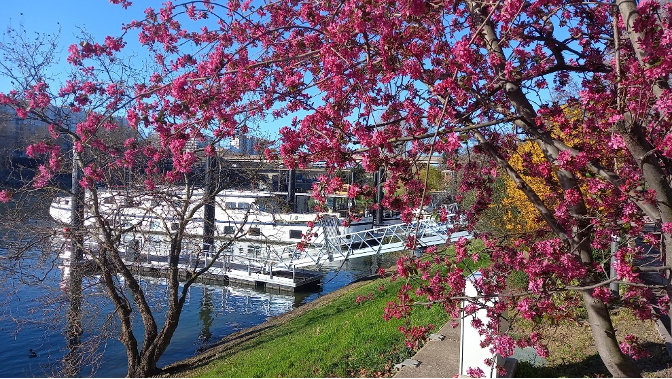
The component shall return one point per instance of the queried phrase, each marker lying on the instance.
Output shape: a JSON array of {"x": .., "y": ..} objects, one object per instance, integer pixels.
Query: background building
[{"x": 247, "y": 145}]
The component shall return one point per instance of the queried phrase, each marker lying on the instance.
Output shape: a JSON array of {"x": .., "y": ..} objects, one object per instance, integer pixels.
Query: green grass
[
  {"x": 342, "y": 338},
  {"x": 338, "y": 339}
]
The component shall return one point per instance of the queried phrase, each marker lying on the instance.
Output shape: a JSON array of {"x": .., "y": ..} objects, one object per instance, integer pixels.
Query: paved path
[{"x": 438, "y": 359}]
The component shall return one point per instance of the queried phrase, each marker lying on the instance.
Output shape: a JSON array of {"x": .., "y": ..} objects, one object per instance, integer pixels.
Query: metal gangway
[{"x": 381, "y": 240}]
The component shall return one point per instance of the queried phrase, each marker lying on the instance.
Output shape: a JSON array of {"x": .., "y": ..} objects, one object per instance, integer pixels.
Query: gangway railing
[{"x": 381, "y": 240}]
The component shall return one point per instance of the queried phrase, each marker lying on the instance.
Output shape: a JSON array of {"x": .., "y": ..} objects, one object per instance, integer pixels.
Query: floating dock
[{"x": 249, "y": 275}]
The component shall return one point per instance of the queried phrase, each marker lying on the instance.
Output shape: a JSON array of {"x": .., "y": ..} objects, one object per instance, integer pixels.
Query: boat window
[
  {"x": 231, "y": 205},
  {"x": 154, "y": 225},
  {"x": 295, "y": 234},
  {"x": 267, "y": 204},
  {"x": 254, "y": 231},
  {"x": 229, "y": 229},
  {"x": 67, "y": 202},
  {"x": 243, "y": 206},
  {"x": 107, "y": 200},
  {"x": 338, "y": 203},
  {"x": 174, "y": 226}
]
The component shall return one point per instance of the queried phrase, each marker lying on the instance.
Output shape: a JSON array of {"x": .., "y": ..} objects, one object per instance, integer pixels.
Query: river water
[{"x": 33, "y": 317}]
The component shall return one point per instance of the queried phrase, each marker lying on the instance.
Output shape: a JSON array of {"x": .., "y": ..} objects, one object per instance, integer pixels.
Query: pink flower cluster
[
  {"x": 631, "y": 346},
  {"x": 416, "y": 335},
  {"x": 5, "y": 196},
  {"x": 361, "y": 299}
]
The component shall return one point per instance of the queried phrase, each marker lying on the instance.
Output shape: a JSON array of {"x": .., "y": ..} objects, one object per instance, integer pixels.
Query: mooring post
[
  {"x": 209, "y": 208},
  {"x": 74, "y": 316},
  {"x": 374, "y": 264},
  {"x": 291, "y": 188},
  {"x": 378, "y": 183}
]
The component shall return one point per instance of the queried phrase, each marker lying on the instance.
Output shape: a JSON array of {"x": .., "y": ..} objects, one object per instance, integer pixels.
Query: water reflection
[
  {"x": 210, "y": 313},
  {"x": 205, "y": 315}
]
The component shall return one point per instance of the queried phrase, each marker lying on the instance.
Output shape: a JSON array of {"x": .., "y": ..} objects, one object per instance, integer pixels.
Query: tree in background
[
  {"x": 520, "y": 215},
  {"x": 436, "y": 77},
  {"x": 433, "y": 177}
]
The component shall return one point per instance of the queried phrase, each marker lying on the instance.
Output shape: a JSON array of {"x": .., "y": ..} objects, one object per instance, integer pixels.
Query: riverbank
[{"x": 340, "y": 334}]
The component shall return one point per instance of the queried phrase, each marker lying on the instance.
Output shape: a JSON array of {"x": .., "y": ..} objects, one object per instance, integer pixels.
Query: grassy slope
[
  {"x": 340, "y": 338},
  {"x": 333, "y": 336}
]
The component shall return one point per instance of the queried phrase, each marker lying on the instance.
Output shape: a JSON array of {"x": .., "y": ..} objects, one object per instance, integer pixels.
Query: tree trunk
[
  {"x": 604, "y": 336},
  {"x": 143, "y": 369}
]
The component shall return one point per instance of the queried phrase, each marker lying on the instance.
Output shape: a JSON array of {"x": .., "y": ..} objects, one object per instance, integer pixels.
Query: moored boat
[{"x": 251, "y": 218}]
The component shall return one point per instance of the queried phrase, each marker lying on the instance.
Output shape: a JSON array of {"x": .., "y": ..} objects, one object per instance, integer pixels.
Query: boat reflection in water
[{"x": 212, "y": 311}]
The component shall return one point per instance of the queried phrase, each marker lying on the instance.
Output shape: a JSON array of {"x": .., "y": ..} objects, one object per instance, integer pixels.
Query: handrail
[{"x": 336, "y": 247}]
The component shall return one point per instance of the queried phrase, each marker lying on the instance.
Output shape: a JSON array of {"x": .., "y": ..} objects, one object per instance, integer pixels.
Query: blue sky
[{"x": 98, "y": 17}]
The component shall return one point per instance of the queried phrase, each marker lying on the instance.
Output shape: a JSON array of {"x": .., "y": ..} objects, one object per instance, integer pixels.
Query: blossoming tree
[
  {"x": 117, "y": 171},
  {"x": 364, "y": 78}
]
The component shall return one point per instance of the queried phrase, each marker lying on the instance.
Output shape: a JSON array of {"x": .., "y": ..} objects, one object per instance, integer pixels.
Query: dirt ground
[{"x": 572, "y": 353}]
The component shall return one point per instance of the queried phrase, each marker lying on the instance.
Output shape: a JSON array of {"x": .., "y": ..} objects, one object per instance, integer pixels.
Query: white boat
[{"x": 251, "y": 218}]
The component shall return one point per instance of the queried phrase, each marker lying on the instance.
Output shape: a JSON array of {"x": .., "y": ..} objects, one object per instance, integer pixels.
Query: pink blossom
[
  {"x": 5, "y": 196},
  {"x": 475, "y": 372},
  {"x": 124, "y": 3},
  {"x": 630, "y": 346},
  {"x": 666, "y": 227},
  {"x": 36, "y": 149},
  {"x": 21, "y": 113},
  {"x": 43, "y": 176}
]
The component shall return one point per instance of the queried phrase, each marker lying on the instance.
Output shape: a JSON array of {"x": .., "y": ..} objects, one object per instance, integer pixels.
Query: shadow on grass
[{"x": 593, "y": 366}]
